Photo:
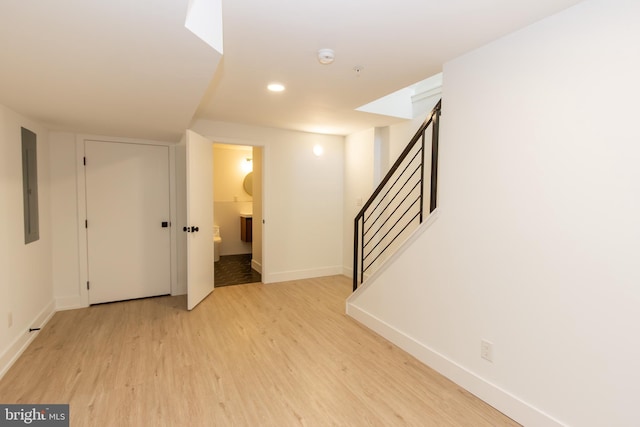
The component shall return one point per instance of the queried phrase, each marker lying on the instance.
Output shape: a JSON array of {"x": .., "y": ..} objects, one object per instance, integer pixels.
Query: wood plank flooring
[{"x": 249, "y": 355}]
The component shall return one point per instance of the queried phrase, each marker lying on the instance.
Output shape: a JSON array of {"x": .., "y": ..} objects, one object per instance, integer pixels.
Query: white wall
[
  {"x": 68, "y": 245},
  {"x": 302, "y": 198},
  {"x": 399, "y": 136},
  {"x": 26, "y": 289},
  {"x": 359, "y": 155},
  {"x": 64, "y": 218},
  {"x": 537, "y": 241},
  {"x": 303, "y": 212},
  {"x": 229, "y": 197}
]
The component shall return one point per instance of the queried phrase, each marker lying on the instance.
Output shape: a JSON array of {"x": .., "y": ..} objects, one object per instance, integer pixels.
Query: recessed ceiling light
[{"x": 275, "y": 87}]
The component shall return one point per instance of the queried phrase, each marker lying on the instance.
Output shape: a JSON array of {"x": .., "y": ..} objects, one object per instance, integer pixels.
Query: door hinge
[
  {"x": 86, "y": 223},
  {"x": 84, "y": 161},
  {"x": 87, "y": 285}
]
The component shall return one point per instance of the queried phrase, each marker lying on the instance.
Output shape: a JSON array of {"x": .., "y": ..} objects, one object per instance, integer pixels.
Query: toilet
[{"x": 217, "y": 241}]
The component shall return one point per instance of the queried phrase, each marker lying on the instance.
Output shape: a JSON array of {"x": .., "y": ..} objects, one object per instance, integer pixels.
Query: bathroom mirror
[{"x": 248, "y": 183}]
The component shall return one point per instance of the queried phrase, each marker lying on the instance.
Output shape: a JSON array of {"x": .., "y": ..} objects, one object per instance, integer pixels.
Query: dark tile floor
[{"x": 235, "y": 270}]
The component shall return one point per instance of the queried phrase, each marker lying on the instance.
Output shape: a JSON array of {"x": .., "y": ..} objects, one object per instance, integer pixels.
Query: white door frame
[
  {"x": 82, "y": 208},
  {"x": 265, "y": 153}
]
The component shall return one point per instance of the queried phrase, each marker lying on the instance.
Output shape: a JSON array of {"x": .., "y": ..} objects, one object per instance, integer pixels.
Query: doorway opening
[{"x": 237, "y": 214}]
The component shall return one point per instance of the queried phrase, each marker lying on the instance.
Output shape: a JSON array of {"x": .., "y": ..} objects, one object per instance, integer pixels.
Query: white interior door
[
  {"x": 199, "y": 218},
  {"x": 127, "y": 196}
]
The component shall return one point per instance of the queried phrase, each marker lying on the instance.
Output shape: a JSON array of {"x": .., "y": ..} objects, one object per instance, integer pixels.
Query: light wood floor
[{"x": 250, "y": 355}]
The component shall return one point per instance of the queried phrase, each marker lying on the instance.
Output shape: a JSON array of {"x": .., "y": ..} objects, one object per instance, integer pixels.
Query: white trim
[
  {"x": 173, "y": 218},
  {"x": 82, "y": 300},
  {"x": 286, "y": 276},
  {"x": 347, "y": 271},
  {"x": 256, "y": 266},
  {"x": 69, "y": 303},
  {"x": 421, "y": 96},
  {"x": 103, "y": 138},
  {"x": 82, "y": 216},
  {"x": 500, "y": 399},
  {"x": 20, "y": 344},
  {"x": 264, "y": 266},
  {"x": 495, "y": 396}
]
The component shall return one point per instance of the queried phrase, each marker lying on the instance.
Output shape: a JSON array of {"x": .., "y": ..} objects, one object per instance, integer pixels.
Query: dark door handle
[
  {"x": 195, "y": 229},
  {"x": 190, "y": 229},
  {"x": 187, "y": 229}
]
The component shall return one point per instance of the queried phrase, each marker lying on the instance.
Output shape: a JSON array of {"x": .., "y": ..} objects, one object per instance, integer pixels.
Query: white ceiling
[{"x": 131, "y": 68}]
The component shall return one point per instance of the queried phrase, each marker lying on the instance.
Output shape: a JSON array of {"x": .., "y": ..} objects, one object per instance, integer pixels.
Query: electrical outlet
[
  {"x": 486, "y": 350},
  {"x": 10, "y": 320}
]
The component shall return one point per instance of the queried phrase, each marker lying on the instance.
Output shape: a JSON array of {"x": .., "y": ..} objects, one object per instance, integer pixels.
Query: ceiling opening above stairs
[
  {"x": 204, "y": 19},
  {"x": 409, "y": 102}
]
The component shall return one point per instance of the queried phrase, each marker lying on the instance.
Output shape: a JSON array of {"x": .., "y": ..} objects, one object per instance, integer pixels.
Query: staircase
[{"x": 397, "y": 206}]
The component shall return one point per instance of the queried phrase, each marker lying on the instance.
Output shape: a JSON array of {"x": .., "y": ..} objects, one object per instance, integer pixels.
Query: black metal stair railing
[{"x": 397, "y": 205}]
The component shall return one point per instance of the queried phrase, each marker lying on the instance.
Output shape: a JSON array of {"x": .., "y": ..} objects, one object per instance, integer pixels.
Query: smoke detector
[{"x": 326, "y": 56}]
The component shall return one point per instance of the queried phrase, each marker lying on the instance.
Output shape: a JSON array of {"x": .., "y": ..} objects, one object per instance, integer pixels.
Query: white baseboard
[
  {"x": 70, "y": 303},
  {"x": 179, "y": 289},
  {"x": 286, "y": 276},
  {"x": 348, "y": 271},
  {"x": 20, "y": 344},
  {"x": 256, "y": 266},
  {"x": 500, "y": 399}
]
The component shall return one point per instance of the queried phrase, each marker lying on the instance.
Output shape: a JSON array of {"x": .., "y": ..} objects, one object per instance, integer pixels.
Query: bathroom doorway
[{"x": 237, "y": 214}]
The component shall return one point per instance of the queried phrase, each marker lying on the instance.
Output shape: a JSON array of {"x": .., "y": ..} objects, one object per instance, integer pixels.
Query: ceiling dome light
[
  {"x": 275, "y": 87},
  {"x": 326, "y": 56}
]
